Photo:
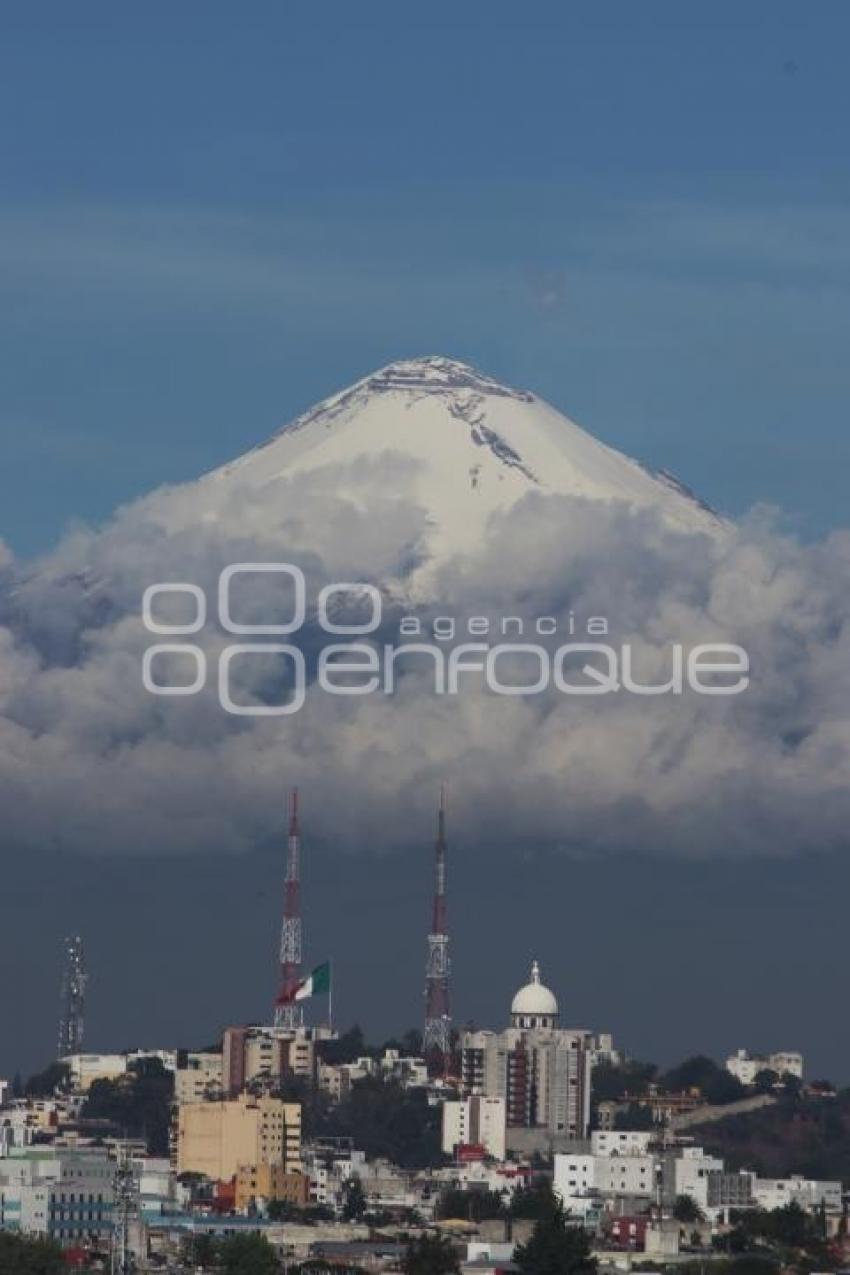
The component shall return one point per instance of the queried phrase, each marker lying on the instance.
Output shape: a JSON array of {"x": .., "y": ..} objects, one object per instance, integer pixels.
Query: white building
[
  {"x": 63, "y": 1195},
  {"x": 198, "y": 1076},
  {"x": 582, "y": 1181},
  {"x": 329, "y": 1165},
  {"x": 410, "y": 1073},
  {"x": 615, "y": 1169},
  {"x": 85, "y": 1069},
  {"x": 541, "y": 1070},
  {"x": 336, "y": 1079},
  {"x": 622, "y": 1141},
  {"x": 4, "y": 1085},
  {"x": 775, "y": 1193},
  {"x": 604, "y": 1051},
  {"x": 745, "y": 1066},
  {"x": 475, "y": 1121},
  {"x": 693, "y": 1171}
]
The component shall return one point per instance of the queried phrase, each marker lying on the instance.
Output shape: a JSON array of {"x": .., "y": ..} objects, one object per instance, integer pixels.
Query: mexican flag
[{"x": 316, "y": 984}]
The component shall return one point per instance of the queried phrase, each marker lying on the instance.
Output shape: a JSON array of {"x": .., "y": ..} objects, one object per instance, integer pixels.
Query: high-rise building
[
  {"x": 216, "y": 1138},
  {"x": 475, "y": 1121},
  {"x": 541, "y": 1070}
]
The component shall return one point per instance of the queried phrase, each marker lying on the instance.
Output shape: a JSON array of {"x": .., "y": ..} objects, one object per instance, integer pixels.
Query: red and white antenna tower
[
  {"x": 288, "y": 1014},
  {"x": 437, "y": 1037}
]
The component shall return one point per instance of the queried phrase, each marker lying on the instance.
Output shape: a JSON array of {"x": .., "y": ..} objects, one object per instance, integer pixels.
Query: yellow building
[
  {"x": 217, "y": 1138},
  {"x": 270, "y": 1182}
]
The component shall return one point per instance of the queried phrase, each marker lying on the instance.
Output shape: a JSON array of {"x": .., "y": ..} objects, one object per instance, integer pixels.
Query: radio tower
[
  {"x": 287, "y": 1013},
  {"x": 73, "y": 998},
  {"x": 437, "y": 1037}
]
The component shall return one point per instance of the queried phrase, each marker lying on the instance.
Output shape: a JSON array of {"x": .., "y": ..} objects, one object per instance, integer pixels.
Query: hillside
[{"x": 806, "y": 1136}]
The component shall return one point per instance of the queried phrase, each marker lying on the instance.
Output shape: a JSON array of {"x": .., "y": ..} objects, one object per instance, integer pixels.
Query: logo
[{"x": 363, "y": 665}]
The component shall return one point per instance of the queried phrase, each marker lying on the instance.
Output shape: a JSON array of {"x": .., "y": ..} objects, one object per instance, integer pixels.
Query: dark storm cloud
[{"x": 89, "y": 760}]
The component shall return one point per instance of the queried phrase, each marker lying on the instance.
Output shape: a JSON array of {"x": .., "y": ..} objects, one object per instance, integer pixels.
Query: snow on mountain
[{"x": 474, "y": 447}]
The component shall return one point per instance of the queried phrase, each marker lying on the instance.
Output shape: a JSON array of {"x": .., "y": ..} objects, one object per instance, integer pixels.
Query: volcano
[{"x": 460, "y": 446}]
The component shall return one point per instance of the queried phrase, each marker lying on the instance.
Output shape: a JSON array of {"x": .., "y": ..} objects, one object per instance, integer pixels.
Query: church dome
[{"x": 534, "y": 1005}]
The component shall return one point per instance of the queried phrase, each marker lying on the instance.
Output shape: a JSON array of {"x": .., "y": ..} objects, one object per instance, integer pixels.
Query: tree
[
  {"x": 247, "y": 1255},
  {"x": 787, "y": 1231},
  {"x": 686, "y": 1209},
  {"x": 387, "y": 1121},
  {"x": 45, "y": 1083},
  {"x": 765, "y": 1080},
  {"x": 21, "y": 1255},
  {"x": 556, "y": 1249},
  {"x": 791, "y": 1084},
  {"x": 613, "y": 1081},
  {"x": 536, "y": 1201},
  {"x": 354, "y": 1200},
  {"x": 347, "y": 1048},
  {"x": 474, "y": 1206},
  {"x": 284, "y": 1211},
  {"x": 198, "y": 1250},
  {"x": 139, "y": 1103},
  {"x": 635, "y": 1116},
  {"x": 430, "y": 1255},
  {"x": 716, "y": 1084}
]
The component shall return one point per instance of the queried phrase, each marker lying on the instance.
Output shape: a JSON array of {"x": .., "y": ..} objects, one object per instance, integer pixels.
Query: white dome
[{"x": 534, "y": 999}]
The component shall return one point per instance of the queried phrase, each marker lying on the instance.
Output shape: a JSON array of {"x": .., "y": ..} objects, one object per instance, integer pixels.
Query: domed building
[
  {"x": 534, "y": 1005},
  {"x": 540, "y": 1070}
]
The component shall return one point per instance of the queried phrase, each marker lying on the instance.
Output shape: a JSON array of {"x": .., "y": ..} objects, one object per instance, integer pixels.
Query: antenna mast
[
  {"x": 288, "y": 1014},
  {"x": 437, "y": 1037},
  {"x": 73, "y": 999}
]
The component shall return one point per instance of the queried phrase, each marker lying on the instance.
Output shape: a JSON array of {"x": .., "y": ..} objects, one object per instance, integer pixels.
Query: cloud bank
[{"x": 90, "y": 761}]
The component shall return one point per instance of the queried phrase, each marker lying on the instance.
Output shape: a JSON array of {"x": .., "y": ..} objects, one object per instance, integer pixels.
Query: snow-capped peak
[
  {"x": 435, "y": 374},
  {"x": 449, "y": 440}
]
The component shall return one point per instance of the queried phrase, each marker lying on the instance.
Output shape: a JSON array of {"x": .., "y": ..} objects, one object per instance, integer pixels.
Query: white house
[{"x": 745, "y": 1066}]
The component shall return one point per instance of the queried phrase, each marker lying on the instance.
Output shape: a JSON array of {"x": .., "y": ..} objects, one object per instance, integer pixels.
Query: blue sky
[{"x": 211, "y": 219}]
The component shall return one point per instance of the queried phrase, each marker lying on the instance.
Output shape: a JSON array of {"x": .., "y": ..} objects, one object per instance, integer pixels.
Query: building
[
  {"x": 476, "y": 1121},
  {"x": 336, "y": 1079},
  {"x": 61, "y": 1195},
  {"x": 85, "y": 1069},
  {"x": 629, "y": 1232},
  {"x": 745, "y": 1066},
  {"x": 622, "y": 1141},
  {"x": 261, "y": 1183},
  {"x": 581, "y": 1180},
  {"x": 693, "y": 1174},
  {"x": 540, "y": 1070},
  {"x": 267, "y": 1055},
  {"x": 329, "y": 1164},
  {"x": 197, "y": 1077},
  {"x": 217, "y": 1138},
  {"x": 808, "y": 1194},
  {"x": 616, "y": 1176},
  {"x": 4, "y": 1085}
]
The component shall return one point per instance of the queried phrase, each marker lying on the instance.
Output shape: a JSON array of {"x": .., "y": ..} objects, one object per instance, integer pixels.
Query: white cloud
[{"x": 90, "y": 761}]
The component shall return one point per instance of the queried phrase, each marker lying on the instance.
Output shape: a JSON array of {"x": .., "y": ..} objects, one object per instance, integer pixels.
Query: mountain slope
[{"x": 471, "y": 447}]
